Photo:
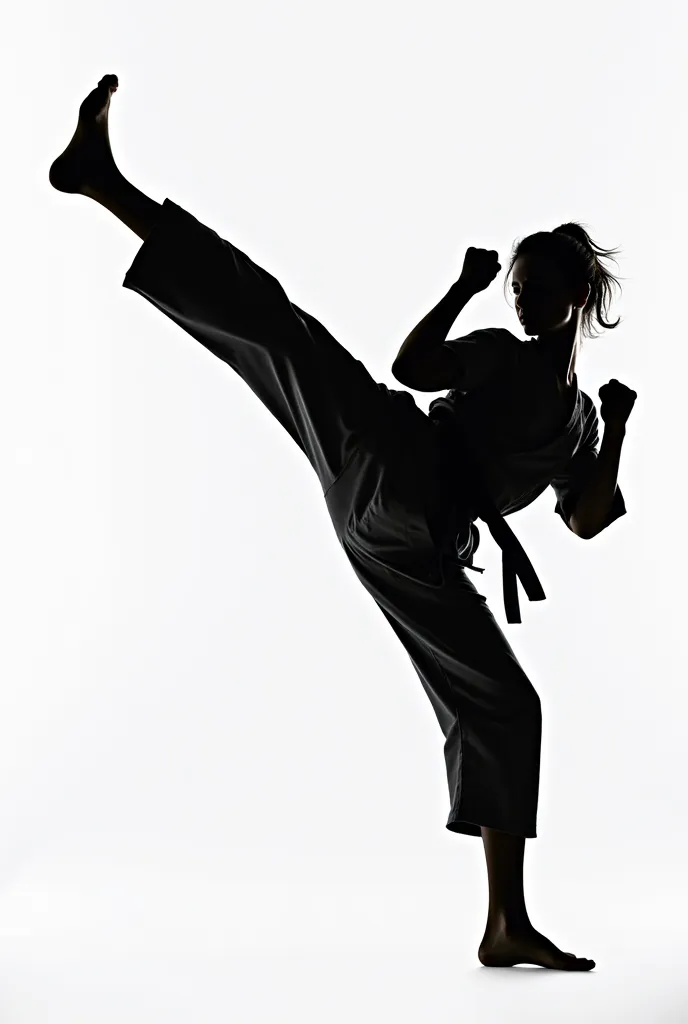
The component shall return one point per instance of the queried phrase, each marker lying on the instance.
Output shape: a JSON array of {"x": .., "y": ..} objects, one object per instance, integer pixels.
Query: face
[{"x": 544, "y": 302}]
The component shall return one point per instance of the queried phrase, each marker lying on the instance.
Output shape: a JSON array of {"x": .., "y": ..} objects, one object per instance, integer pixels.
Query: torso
[
  {"x": 523, "y": 412},
  {"x": 538, "y": 410}
]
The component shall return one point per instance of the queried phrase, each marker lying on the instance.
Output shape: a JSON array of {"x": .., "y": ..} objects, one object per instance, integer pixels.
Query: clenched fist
[
  {"x": 617, "y": 402},
  {"x": 480, "y": 267}
]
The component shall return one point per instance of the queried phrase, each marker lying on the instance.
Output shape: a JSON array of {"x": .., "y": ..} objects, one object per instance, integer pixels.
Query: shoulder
[
  {"x": 499, "y": 345},
  {"x": 500, "y": 335},
  {"x": 496, "y": 335}
]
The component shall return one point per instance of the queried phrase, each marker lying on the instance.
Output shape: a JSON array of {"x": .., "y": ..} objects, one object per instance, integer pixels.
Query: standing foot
[
  {"x": 87, "y": 163},
  {"x": 501, "y": 947}
]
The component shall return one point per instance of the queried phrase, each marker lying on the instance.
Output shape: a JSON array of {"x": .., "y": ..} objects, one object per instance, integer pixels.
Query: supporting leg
[
  {"x": 504, "y": 854},
  {"x": 509, "y": 937}
]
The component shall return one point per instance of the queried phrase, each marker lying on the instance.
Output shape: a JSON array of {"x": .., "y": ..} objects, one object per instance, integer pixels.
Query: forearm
[
  {"x": 432, "y": 330},
  {"x": 595, "y": 501}
]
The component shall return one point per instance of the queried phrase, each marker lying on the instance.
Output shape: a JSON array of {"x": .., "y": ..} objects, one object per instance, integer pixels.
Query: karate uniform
[{"x": 403, "y": 490}]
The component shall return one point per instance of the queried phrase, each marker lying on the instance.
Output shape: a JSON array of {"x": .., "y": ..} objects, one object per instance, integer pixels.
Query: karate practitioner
[{"x": 404, "y": 488}]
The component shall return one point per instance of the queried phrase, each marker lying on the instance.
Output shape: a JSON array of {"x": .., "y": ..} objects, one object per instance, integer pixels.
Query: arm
[
  {"x": 595, "y": 500},
  {"x": 424, "y": 362},
  {"x": 431, "y": 332},
  {"x": 600, "y": 497}
]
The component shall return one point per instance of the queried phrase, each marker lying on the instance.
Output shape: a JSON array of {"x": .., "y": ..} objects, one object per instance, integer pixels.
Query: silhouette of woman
[{"x": 404, "y": 488}]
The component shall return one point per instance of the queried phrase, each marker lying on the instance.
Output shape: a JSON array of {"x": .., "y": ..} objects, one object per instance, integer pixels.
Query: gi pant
[{"x": 376, "y": 456}]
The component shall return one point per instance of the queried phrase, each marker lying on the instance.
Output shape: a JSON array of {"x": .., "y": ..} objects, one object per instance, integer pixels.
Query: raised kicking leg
[{"x": 87, "y": 166}]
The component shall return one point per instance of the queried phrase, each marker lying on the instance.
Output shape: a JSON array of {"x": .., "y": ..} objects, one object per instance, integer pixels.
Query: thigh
[
  {"x": 447, "y": 628},
  {"x": 322, "y": 395}
]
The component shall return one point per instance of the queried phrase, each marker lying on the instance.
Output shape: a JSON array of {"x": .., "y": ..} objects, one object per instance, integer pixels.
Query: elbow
[
  {"x": 395, "y": 374},
  {"x": 436, "y": 371},
  {"x": 580, "y": 531}
]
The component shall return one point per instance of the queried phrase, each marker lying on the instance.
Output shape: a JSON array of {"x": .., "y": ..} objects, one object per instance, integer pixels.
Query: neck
[{"x": 561, "y": 347}]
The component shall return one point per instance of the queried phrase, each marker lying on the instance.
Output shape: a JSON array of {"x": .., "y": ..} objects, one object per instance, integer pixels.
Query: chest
[{"x": 521, "y": 415}]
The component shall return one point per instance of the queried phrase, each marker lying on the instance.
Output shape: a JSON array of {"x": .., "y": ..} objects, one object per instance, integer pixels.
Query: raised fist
[
  {"x": 617, "y": 402},
  {"x": 480, "y": 267}
]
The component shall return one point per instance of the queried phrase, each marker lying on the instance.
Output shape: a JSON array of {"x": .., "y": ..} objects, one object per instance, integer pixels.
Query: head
[{"x": 557, "y": 273}]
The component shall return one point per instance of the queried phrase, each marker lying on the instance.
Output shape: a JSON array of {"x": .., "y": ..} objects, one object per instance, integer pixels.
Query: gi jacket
[{"x": 508, "y": 433}]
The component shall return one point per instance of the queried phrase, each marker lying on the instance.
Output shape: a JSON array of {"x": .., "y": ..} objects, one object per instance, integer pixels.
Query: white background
[{"x": 223, "y": 792}]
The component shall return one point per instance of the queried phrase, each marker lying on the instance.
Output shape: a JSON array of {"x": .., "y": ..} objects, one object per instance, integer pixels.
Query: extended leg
[
  {"x": 318, "y": 391},
  {"x": 87, "y": 166}
]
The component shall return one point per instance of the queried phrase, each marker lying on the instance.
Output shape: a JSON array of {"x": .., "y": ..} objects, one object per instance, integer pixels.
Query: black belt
[{"x": 515, "y": 562}]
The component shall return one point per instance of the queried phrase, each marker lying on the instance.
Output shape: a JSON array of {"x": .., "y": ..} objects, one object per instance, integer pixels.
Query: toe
[{"x": 577, "y": 963}]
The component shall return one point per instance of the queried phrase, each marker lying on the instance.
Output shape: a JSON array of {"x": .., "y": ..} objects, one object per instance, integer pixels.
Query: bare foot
[
  {"x": 87, "y": 162},
  {"x": 501, "y": 948}
]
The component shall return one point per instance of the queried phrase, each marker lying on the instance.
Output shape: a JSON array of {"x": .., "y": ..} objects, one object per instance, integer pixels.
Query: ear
[{"x": 582, "y": 295}]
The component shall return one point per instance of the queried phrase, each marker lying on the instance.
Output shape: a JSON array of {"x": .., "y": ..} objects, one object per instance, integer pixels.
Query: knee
[
  {"x": 527, "y": 703},
  {"x": 534, "y": 708}
]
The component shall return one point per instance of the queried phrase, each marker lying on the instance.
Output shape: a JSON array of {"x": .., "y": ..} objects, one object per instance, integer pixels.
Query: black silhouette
[{"x": 403, "y": 488}]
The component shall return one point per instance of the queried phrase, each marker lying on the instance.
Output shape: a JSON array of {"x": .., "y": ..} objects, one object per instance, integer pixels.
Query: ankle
[
  {"x": 508, "y": 922},
  {"x": 107, "y": 186}
]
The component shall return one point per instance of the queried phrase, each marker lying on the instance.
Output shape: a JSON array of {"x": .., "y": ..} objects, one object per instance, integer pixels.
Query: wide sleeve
[
  {"x": 481, "y": 355},
  {"x": 570, "y": 481}
]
